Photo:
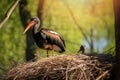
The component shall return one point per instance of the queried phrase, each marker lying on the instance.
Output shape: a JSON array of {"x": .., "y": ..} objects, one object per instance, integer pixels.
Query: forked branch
[{"x": 8, "y": 13}]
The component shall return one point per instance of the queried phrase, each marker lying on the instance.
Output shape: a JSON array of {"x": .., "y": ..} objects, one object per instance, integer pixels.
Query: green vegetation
[
  {"x": 12, "y": 41},
  {"x": 57, "y": 17}
]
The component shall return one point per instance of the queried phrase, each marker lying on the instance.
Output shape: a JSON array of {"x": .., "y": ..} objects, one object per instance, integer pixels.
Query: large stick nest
[{"x": 64, "y": 67}]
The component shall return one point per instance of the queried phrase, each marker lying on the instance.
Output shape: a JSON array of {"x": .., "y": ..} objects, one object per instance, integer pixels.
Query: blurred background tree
[
  {"x": 25, "y": 16},
  {"x": 80, "y": 22},
  {"x": 116, "y": 69}
]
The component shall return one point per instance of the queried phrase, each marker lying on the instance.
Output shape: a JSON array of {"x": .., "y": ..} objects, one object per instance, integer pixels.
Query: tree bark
[
  {"x": 116, "y": 3},
  {"x": 25, "y": 17},
  {"x": 40, "y": 11}
]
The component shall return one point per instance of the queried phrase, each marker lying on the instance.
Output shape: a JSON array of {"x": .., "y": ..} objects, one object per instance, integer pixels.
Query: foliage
[
  {"x": 88, "y": 15},
  {"x": 12, "y": 41},
  {"x": 57, "y": 17}
]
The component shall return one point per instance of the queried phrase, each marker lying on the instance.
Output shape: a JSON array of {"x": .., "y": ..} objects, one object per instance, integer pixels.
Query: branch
[
  {"x": 102, "y": 75},
  {"x": 75, "y": 21},
  {"x": 8, "y": 13}
]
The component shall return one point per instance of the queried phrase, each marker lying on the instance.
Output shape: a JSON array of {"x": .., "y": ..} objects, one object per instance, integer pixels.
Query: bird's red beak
[{"x": 31, "y": 23}]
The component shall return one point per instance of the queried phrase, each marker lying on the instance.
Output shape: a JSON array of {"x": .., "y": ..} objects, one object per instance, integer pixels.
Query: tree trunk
[
  {"x": 25, "y": 17},
  {"x": 117, "y": 38},
  {"x": 40, "y": 11}
]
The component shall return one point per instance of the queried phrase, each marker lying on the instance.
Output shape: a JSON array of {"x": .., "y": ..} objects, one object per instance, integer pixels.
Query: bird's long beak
[{"x": 31, "y": 23}]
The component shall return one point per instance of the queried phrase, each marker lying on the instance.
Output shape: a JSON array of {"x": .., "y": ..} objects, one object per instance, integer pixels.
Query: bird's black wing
[{"x": 53, "y": 37}]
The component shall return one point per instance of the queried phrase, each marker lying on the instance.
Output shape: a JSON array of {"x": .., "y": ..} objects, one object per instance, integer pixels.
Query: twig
[
  {"x": 67, "y": 71},
  {"x": 102, "y": 75},
  {"x": 8, "y": 13},
  {"x": 109, "y": 49}
]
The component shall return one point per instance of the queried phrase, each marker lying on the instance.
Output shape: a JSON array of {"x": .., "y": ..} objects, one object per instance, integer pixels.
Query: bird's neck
[{"x": 36, "y": 28}]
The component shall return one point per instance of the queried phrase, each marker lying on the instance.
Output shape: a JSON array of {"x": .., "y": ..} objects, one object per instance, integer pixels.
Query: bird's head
[{"x": 34, "y": 21}]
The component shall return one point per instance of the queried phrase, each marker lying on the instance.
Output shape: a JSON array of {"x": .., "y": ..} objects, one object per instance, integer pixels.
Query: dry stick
[
  {"x": 80, "y": 67},
  {"x": 67, "y": 70},
  {"x": 46, "y": 73},
  {"x": 102, "y": 75},
  {"x": 8, "y": 13}
]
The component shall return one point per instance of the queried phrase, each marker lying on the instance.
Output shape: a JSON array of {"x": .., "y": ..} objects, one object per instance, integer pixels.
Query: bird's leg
[
  {"x": 52, "y": 50},
  {"x": 47, "y": 53}
]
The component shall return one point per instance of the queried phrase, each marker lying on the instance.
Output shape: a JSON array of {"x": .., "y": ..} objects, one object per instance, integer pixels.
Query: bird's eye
[{"x": 36, "y": 20}]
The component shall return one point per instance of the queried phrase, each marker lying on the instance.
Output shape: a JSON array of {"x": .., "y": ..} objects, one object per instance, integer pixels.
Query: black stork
[
  {"x": 45, "y": 38},
  {"x": 82, "y": 49}
]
